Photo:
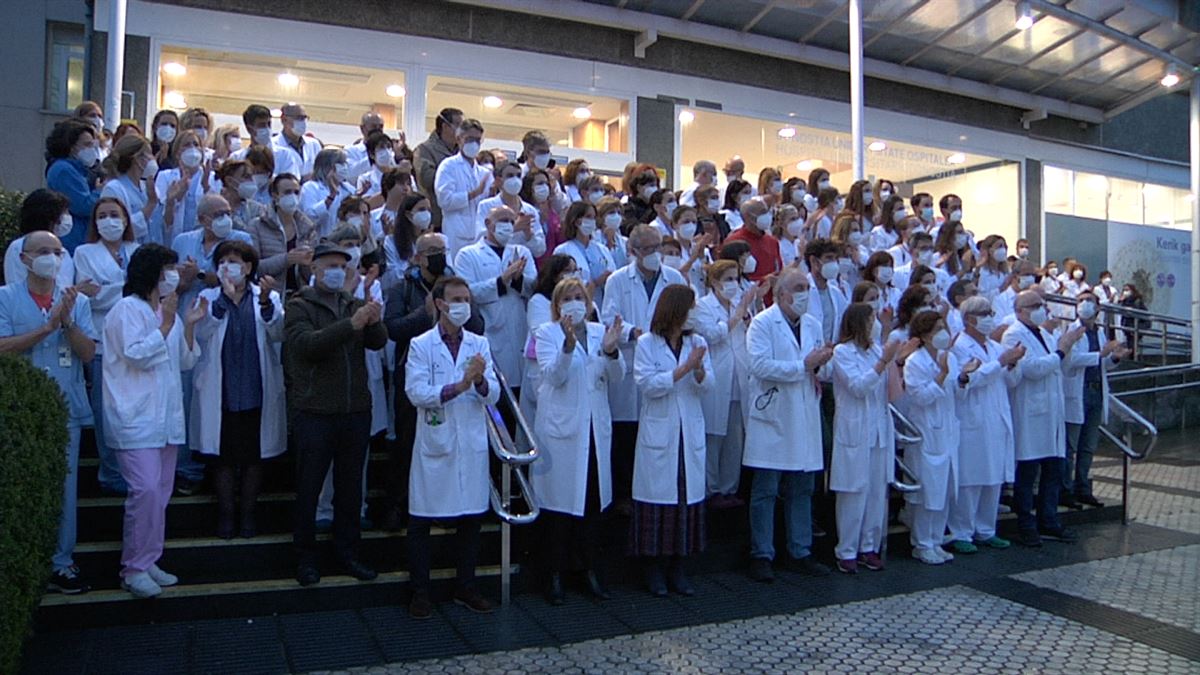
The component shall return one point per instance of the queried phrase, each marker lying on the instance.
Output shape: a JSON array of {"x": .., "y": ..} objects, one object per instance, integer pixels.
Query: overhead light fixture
[
  {"x": 956, "y": 158},
  {"x": 805, "y": 165},
  {"x": 581, "y": 113},
  {"x": 288, "y": 79},
  {"x": 877, "y": 146},
  {"x": 1024, "y": 16},
  {"x": 787, "y": 132},
  {"x": 687, "y": 116},
  {"x": 174, "y": 99},
  {"x": 1171, "y": 77},
  {"x": 276, "y": 113},
  {"x": 395, "y": 91},
  {"x": 174, "y": 69},
  {"x": 492, "y": 101}
]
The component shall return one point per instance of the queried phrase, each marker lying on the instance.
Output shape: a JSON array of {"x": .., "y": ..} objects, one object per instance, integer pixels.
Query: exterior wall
[{"x": 656, "y": 135}]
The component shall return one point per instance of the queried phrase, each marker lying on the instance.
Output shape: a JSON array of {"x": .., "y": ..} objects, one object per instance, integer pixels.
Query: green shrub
[
  {"x": 10, "y": 219},
  {"x": 33, "y": 434}
]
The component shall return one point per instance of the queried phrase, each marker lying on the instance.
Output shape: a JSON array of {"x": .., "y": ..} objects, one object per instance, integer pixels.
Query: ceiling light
[
  {"x": 787, "y": 132},
  {"x": 687, "y": 116},
  {"x": 174, "y": 99},
  {"x": 1171, "y": 78},
  {"x": 877, "y": 146},
  {"x": 276, "y": 113},
  {"x": 174, "y": 69},
  {"x": 395, "y": 91},
  {"x": 288, "y": 79},
  {"x": 1024, "y": 16},
  {"x": 806, "y": 165},
  {"x": 956, "y": 158},
  {"x": 492, "y": 101},
  {"x": 581, "y": 113}
]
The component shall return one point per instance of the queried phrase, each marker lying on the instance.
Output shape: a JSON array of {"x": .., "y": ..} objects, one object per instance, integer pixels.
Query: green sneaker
[
  {"x": 994, "y": 542},
  {"x": 964, "y": 547}
]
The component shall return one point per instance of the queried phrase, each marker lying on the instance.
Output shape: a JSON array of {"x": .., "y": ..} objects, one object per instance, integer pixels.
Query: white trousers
[
  {"x": 928, "y": 526},
  {"x": 723, "y": 461},
  {"x": 861, "y": 515},
  {"x": 973, "y": 512}
]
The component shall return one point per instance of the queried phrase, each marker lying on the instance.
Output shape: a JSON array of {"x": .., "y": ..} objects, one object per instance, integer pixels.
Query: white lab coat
[
  {"x": 456, "y": 178},
  {"x": 204, "y": 419},
  {"x": 503, "y": 315},
  {"x": 592, "y": 260},
  {"x": 287, "y": 160},
  {"x": 728, "y": 355},
  {"x": 1037, "y": 401},
  {"x": 143, "y": 396},
  {"x": 861, "y": 419},
  {"x": 882, "y": 240},
  {"x": 536, "y": 243},
  {"x": 573, "y": 412},
  {"x": 312, "y": 201},
  {"x": 449, "y": 475},
  {"x": 1073, "y": 370},
  {"x": 815, "y": 310},
  {"x": 783, "y": 431},
  {"x": 625, "y": 295},
  {"x": 931, "y": 409},
  {"x": 986, "y": 453},
  {"x": 133, "y": 197},
  {"x": 669, "y": 408},
  {"x": 15, "y": 270},
  {"x": 93, "y": 261},
  {"x": 184, "y": 213}
]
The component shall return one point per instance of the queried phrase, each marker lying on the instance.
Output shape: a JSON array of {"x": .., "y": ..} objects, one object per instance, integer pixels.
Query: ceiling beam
[
  {"x": 988, "y": 49},
  {"x": 983, "y": 9},
  {"x": 1104, "y": 30},
  {"x": 759, "y": 17},
  {"x": 841, "y": 10},
  {"x": 1133, "y": 66},
  {"x": 1151, "y": 92},
  {"x": 1039, "y": 54},
  {"x": 912, "y": 9},
  {"x": 691, "y": 11},
  {"x": 1081, "y": 64}
]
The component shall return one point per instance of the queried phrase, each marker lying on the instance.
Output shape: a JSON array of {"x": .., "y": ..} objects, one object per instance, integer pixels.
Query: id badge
[
  {"x": 433, "y": 417},
  {"x": 64, "y": 356}
]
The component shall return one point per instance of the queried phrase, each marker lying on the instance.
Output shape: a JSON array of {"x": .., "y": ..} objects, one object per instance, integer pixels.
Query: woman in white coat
[
  {"x": 131, "y": 162},
  {"x": 103, "y": 260},
  {"x": 986, "y": 454},
  {"x": 721, "y": 318},
  {"x": 863, "y": 464},
  {"x": 321, "y": 197},
  {"x": 577, "y": 358},
  {"x": 556, "y": 268},
  {"x": 672, "y": 370},
  {"x": 145, "y": 348},
  {"x": 591, "y": 256},
  {"x": 933, "y": 379},
  {"x": 238, "y": 416}
]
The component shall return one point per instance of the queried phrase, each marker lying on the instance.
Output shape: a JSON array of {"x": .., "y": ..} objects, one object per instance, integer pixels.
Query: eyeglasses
[
  {"x": 647, "y": 250},
  {"x": 433, "y": 251}
]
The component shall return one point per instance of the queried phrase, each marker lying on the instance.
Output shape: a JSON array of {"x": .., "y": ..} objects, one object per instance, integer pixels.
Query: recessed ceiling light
[
  {"x": 956, "y": 158},
  {"x": 276, "y": 113},
  {"x": 174, "y": 69},
  {"x": 877, "y": 146},
  {"x": 174, "y": 99},
  {"x": 1171, "y": 78},
  {"x": 1024, "y": 16},
  {"x": 395, "y": 91},
  {"x": 687, "y": 116},
  {"x": 492, "y": 101},
  {"x": 581, "y": 113},
  {"x": 787, "y": 132},
  {"x": 288, "y": 79}
]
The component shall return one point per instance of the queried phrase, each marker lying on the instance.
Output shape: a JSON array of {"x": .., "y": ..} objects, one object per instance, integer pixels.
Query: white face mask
[
  {"x": 46, "y": 266},
  {"x": 940, "y": 340},
  {"x": 574, "y": 309},
  {"x": 222, "y": 226},
  {"x": 763, "y": 221},
  {"x": 342, "y": 171},
  {"x": 151, "y": 169},
  {"x": 299, "y": 127},
  {"x": 648, "y": 191},
  {"x": 743, "y": 198},
  {"x": 588, "y": 226},
  {"x": 261, "y": 180},
  {"x": 750, "y": 266},
  {"x": 956, "y": 216},
  {"x": 884, "y": 274},
  {"x": 795, "y": 228},
  {"x": 459, "y": 313},
  {"x": 810, "y": 202},
  {"x": 776, "y": 187},
  {"x": 868, "y": 198},
  {"x": 233, "y": 143},
  {"x": 1106, "y": 282},
  {"x": 1023, "y": 252},
  {"x": 846, "y": 265},
  {"x": 165, "y": 133},
  {"x": 355, "y": 220},
  {"x": 503, "y": 232},
  {"x": 1087, "y": 310},
  {"x": 1025, "y": 281},
  {"x": 88, "y": 156},
  {"x": 730, "y": 289},
  {"x": 595, "y": 196},
  {"x": 1000, "y": 254},
  {"x": 687, "y": 230},
  {"x": 652, "y": 262},
  {"x": 247, "y": 189},
  {"x": 422, "y": 219},
  {"x": 799, "y": 197},
  {"x": 201, "y": 133},
  {"x": 168, "y": 283},
  {"x": 885, "y": 195},
  {"x": 856, "y": 238},
  {"x": 581, "y": 176},
  {"x": 262, "y": 136},
  {"x": 333, "y": 278},
  {"x": 1038, "y": 316},
  {"x": 511, "y": 185},
  {"x": 823, "y": 184},
  {"x": 470, "y": 149},
  {"x": 925, "y": 257},
  {"x": 690, "y": 324},
  {"x": 1077, "y": 275},
  {"x": 673, "y": 261},
  {"x": 830, "y": 270},
  {"x": 191, "y": 157},
  {"x": 669, "y": 208},
  {"x": 800, "y": 302},
  {"x": 612, "y": 220},
  {"x": 985, "y": 324},
  {"x": 289, "y": 203},
  {"x": 714, "y": 205},
  {"x": 65, "y": 224},
  {"x": 960, "y": 241},
  {"x": 385, "y": 159},
  {"x": 110, "y": 228},
  {"x": 541, "y": 192},
  {"x": 899, "y": 215},
  {"x": 541, "y": 160},
  {"x": 232, "y": 271}
]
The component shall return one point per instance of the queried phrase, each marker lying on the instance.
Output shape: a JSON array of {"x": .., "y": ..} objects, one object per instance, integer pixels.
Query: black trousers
[
  {"x": 466, "y": 543},
  {"x": 321, "y": 440},
  {"x": 624, "y": 441},
  {"x": 401, "y": 451},
  {"x": 571, "y": 542}
]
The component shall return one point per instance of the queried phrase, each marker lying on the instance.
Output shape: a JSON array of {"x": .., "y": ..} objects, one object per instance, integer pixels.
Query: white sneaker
[
  {"x": 162, "y": 578},
  {"x": 927, "y": 556},
  {"x": 141, "y": 585},
  {"x": 947, "y": 556}
]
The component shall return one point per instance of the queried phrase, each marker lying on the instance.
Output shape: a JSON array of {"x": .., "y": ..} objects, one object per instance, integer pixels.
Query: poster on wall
[{"x": 1157, "y": 261}]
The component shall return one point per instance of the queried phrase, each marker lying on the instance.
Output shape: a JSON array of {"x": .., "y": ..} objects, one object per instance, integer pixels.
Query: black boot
[
  {"x": 223, "y": 481},
  {"x": 595, "y": 586},
  {"x": 678, "y": 580},
  {"x": 656, "y": 582},
  {"x": 555, "y": 594}
]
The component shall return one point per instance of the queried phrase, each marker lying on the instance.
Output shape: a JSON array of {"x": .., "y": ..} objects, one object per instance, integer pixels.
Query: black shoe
[
  {"x": 1061, "y": 534},
  {"x": 420, "y": 607},
  {"x": 808, "y": 566},
  {"x": 678, "y": 581},
  {"x": 760, "y": 570},
  {"x": 68, "y": 582},
  {"x": 555, "y": 595},
  {"x": 596, "y": 587},
  {"x": 655, "y": 581},
  {"x": 225, "y": 528},
  {"x": 185, "y": 487},
  {"x": 473, "y": 600},
  {"x": 1068, "y": 501},
  {"x": 1029, "y": 539},
  {"x": 307, "y": 575},
  {"x": 359, "y": 571},
  {"x": 818, "y": 531},
  {"x": 1090, "y": 500}
]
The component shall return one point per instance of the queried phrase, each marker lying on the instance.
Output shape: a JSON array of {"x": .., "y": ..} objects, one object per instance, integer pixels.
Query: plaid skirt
[{"x": 668, "y": 529}]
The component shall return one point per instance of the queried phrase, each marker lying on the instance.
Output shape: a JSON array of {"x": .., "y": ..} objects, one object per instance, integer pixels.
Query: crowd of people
[{"x": 210, "y": 298}]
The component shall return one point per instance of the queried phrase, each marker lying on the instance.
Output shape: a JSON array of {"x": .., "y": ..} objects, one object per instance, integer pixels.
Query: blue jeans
[
  {"x": 186, "y": 465},
  {"x": 109, "y": 472},
  {"x": 1081, "y": 444},
  {"x": 797, "y": 511},
  {"x": 1049, "y": 487},
  {"x": 64, "y": 551}
]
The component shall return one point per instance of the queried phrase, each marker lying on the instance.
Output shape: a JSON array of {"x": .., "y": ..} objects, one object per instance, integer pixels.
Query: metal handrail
[
  {"x": 1153, "y": 371},
  {"x": 504, "y": 447},
  {"x": 508, "y": 516},
  {"x": 1129, "y": 419},
  {"x": 1153, "y": 334},
  {"x": 906, "y": 432}
]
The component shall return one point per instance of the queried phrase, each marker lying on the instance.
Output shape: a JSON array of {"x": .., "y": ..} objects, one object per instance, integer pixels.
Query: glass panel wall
[{"x": 1092, "y": 195}]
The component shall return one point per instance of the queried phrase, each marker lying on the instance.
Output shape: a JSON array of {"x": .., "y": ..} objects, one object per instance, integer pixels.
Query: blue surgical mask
[{"x": 333, "y": 278}]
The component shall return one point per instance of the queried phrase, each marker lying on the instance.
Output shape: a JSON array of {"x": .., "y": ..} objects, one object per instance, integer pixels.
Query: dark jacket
[
  {"x": 426, "y": 159},
  {"x": 406, "y": 317},
  {"x": 326, "y": 359}
]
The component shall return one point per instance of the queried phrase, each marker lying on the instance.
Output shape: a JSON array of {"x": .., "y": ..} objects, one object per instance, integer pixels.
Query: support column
[
  {"x": 656, "y": 135},
  {"x": 1194, "y": 169},
  {"x": 856, "y": 89},
  {"x": 114, "y": 80}
]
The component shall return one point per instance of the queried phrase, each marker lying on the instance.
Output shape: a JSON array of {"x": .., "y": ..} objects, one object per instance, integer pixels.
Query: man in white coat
[
  {"x": 783, "y": 442},
  {"x": 450, "y": 382},
  {"x": 985, "y": 443},
  {"x": 632, "y": 293},
  {"x": 1039, "y": 422},
  {"x": 460, "y": 183},
  {"x": 501, "y": 275}
]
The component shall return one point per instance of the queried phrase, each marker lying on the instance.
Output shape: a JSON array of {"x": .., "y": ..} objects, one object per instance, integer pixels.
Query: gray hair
[
  {"x": 326, "y": 160},
  {"x": 976, "y": 304},
  {"x": 642, "y": 234},
  {"x": 209, "y": 203},
  {"x": 344, "y": 233},
  {"x": 703, "y": 165},
  {"x": 787, "y": 275}
]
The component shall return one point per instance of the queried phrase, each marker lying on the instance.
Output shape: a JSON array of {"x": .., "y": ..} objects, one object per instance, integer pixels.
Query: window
[
  {"x": 335, "y": 96},
  {"x": 1092, "y": 195},
  {"x": 64, "y": 66}
]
